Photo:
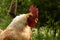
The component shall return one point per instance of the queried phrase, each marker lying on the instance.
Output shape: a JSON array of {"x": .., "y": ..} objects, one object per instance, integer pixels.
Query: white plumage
[{"x": 17, "y": 30}]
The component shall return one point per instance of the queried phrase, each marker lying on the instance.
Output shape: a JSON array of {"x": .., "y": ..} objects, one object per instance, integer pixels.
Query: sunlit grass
[{"x": 44, "y": 34}]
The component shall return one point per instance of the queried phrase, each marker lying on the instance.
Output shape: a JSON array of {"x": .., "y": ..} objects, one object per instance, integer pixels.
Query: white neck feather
[{"x": 19, "y": 21}]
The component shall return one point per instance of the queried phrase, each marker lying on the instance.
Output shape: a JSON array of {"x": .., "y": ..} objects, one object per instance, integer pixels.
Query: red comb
[{"x": 34, "y": 11}]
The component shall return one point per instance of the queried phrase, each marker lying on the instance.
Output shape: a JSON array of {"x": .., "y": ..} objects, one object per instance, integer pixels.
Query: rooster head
[{"x": 32, "y": 19}]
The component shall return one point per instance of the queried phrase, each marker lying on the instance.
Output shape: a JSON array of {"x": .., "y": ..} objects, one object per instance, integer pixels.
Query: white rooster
[{"x": 20, "y": 27}]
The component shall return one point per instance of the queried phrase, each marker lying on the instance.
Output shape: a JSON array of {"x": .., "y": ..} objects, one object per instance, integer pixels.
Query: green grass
[
  {"x": 5, "y": 21},
  {"x": 44, "y": 32}
]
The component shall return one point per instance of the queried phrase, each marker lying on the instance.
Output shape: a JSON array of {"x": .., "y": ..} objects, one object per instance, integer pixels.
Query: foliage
[{"x": 48, "y": 20}]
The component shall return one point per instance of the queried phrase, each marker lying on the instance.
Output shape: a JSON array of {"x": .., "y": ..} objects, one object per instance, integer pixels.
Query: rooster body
[
  {"x": 1, "y": 30},
  {"x": 13, "y": 34},
  {"x": 20, "y": 27},
  {"x": 17, "y": 30}
]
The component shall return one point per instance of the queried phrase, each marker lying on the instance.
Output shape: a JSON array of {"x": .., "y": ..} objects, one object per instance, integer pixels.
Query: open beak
[{"x": 36, "y": 20}]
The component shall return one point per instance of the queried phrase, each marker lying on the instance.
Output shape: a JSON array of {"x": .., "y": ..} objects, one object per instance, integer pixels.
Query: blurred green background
[{"x": 48, "y": 26}]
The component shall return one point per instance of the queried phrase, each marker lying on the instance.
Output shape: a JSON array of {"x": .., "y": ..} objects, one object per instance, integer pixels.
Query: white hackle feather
[{"x": 19, "y": 21}]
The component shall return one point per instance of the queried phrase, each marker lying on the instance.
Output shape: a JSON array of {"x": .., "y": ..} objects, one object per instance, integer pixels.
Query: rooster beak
[
  {"x": 31, "y": 14},
  {"x": 36, "y": 20}
]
